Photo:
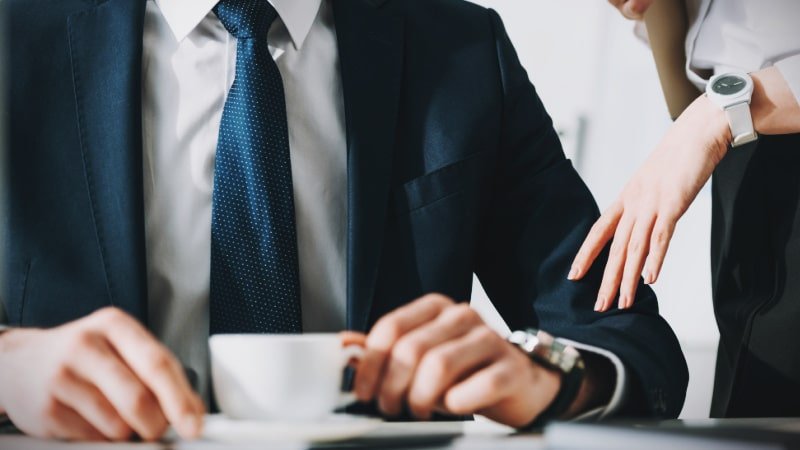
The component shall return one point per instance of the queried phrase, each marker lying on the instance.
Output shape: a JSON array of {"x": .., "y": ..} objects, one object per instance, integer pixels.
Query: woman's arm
[
  {"x": 774, "y": 107},
  {"x": 641, "y": 221}
]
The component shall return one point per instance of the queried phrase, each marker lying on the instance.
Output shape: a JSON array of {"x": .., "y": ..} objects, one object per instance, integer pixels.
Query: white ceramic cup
[{"x": 280, "y": 376}]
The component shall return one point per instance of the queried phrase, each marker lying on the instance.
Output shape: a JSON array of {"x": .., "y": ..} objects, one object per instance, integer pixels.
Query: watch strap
[{"x": 741, "y": 123}]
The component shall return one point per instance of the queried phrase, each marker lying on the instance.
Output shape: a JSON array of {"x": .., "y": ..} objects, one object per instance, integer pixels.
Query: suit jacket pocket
[{"x": 438, "y": 185}]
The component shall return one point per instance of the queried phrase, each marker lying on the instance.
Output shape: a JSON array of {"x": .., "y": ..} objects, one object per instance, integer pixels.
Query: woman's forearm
[{"x": 773, "y": 106}]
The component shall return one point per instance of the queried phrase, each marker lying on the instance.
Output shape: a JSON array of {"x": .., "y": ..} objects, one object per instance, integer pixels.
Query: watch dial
[{"x": 729, "y": 85}]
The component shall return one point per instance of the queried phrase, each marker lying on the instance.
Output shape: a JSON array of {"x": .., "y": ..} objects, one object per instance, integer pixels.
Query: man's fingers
[
  {"x": 100, "y": 365},
  {"x": 404, "y": 319},
  {"x": 385, "y": 334},
  {"x": 92, "y": 405},
  {"x": 602, "y": 231},
  {"x": 482, "y": 389},
  {"x": 613, "y": 271},
  {"x": 66, "y": 423},
  {"x": 659, "y": 243},
  {"x": 353, "y": 338},
  {"x": 447, "y": 363},
  {"x": 628, "y": 10},
  {"x": 410, "y": 349},
  {"x": 631, "y": 9},
  {"x": 158, "y": 369},
  {"x": 638, "y": 247},
  {"x": 635, "y": 9}
]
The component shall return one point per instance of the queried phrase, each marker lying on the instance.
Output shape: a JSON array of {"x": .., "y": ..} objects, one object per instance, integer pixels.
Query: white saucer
[{"x": 336, "y": 427}]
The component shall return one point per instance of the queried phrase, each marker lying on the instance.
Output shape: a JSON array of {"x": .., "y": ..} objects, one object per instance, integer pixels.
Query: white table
[
  {"x": 485, "y": 435},
  {"x": 478, "y": 435}
]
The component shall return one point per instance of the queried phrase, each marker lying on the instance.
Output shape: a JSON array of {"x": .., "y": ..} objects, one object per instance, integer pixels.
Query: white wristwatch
[{"x": 732, "y": 92}]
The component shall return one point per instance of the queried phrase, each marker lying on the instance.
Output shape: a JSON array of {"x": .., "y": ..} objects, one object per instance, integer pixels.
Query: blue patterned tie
[{"x": 254, "y": 271}]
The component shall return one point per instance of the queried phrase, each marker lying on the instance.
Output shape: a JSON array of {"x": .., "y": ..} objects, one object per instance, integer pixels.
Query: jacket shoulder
[{"x": 448, "y": 15}]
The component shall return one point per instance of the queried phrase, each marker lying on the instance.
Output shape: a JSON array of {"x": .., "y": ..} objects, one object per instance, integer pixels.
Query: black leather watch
[{"x": 553, "y": 354}]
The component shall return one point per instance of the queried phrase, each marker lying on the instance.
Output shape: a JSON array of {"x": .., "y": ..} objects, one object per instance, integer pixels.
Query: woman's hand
[
  {"x": 643, "y": 218},
  {"x": 641, "y": 221}
]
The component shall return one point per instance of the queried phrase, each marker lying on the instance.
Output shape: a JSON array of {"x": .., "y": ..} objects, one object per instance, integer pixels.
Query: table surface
[
  {"x": 480, "y": 434},
  {"x": 476, "y": 435}
]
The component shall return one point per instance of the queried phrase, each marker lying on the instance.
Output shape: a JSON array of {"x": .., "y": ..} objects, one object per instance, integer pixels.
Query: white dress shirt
[
  {"x": 189, "y": 65},
  {"x": 744, "y": 35}
]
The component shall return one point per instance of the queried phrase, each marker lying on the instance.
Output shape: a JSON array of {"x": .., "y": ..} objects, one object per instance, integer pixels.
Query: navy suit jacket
[{"x": 453, "y": 169}]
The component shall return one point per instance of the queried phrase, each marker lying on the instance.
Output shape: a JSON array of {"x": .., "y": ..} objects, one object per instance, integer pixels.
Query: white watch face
[{"x": 729, "y": 85}]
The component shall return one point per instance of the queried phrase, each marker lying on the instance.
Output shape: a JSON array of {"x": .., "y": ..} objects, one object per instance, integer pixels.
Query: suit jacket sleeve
[{"x": 541, "y": 211}]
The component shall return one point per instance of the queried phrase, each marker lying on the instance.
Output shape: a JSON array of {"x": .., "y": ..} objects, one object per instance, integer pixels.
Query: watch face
[{"x": 729, "y": 85}]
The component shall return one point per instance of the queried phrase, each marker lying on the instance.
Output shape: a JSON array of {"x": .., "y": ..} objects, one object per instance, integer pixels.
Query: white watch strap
[{"x": 741, "y": 124}]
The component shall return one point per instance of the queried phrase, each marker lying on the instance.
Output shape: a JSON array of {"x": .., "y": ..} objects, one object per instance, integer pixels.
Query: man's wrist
[
  {"x": 559, "y": 373},
  {"x": 597, "y": 386},
  {"x": 546, "y": 383},
  {"x": 4, "y": 331},
  {"x": 6, "y": 334},
  {"x": 547, "y": 380}
]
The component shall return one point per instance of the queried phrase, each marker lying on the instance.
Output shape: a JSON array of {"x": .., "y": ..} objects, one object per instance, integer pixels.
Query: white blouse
[{"x": 744, "y": 35}]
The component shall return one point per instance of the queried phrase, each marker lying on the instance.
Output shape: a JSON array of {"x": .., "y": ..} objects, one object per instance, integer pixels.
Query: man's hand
[
  {"x": 434, "y": 355},
  {"x": 103, "y": 377},
  {"x": 632, "y": 9}
]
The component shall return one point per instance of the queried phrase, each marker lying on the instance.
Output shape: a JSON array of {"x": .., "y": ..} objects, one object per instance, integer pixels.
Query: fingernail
[
  {"x": 599, "y": 303},
  {"x": 648, "y": 277},
  {"x": 623, "y": 302},
  {"x": 191, "y": 425},
  {"x": 573, "y": 273}
]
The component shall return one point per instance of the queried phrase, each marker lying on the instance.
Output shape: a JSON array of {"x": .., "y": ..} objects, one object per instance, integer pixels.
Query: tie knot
[{"x": 246, "y": 18}]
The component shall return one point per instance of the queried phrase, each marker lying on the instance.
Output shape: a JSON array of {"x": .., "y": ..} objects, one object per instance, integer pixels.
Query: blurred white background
[{"x": 599, "y": 83}]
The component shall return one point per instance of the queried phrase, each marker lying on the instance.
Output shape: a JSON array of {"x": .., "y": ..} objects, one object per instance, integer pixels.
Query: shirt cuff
[
  {"x": 620, "y": 389},
  {"x": 790, "y": 69}
]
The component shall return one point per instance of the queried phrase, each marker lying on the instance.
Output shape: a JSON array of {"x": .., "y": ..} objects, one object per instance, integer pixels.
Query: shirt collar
[{"x": 183, "y": 16}]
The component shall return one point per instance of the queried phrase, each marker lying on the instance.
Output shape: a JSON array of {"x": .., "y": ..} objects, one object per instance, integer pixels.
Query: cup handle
[{"x": 349, "y": 352}]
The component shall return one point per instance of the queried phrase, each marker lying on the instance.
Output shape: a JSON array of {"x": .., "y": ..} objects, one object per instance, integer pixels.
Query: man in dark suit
[{"x": 257, "y": 167}]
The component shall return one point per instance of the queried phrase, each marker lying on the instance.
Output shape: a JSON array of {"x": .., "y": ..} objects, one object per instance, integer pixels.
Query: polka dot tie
[{"x": 254, "y": 270}]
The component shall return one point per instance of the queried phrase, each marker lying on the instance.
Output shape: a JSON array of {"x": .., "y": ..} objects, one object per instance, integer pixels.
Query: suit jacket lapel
[
  {"x": 371, "y": 55},
  {"x": 106, "y": 51}
]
